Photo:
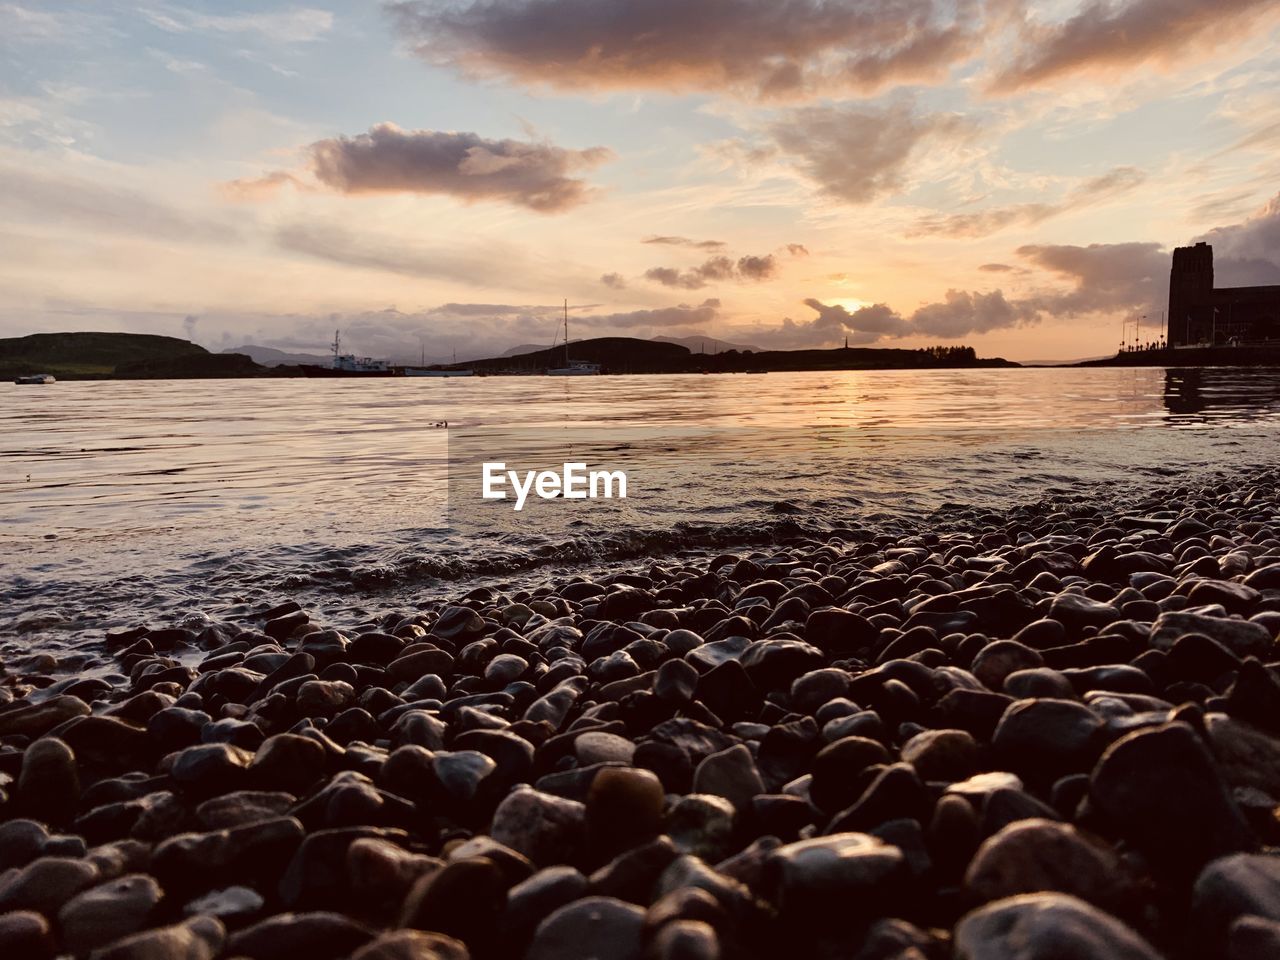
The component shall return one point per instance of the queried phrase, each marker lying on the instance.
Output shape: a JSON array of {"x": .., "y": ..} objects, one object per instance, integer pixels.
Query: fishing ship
[{"x": 348, "y": 364}]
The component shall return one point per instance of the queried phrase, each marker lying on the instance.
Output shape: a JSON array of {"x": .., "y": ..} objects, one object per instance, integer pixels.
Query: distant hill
[
  {"x": 700, "y": 343},
  {"x": 72, "y": 356},
  {"x": 271, "y": 357},
  {"x": 209, "y": 366},
  {"x": 695, "y": 343},
  {"x": 632, "y": 355},
  {"x": 618, "y": 354}
]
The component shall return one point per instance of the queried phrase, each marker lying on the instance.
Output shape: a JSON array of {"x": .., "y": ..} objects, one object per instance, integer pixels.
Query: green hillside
[
  {"x": 125, "y": 356},
  {"x": 87, "y": 354}
]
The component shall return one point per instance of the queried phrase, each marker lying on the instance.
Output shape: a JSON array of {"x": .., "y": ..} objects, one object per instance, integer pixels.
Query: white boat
[
  {"x": 573, "y": 368},
  {"x": 35, "y": 378},
  {"x": 576, "y": 368},
  {"x": 349, "y": 365}
]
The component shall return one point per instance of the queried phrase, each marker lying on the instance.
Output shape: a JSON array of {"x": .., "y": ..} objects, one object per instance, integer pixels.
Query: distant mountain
[
  {"x": 271, "y": 357},
  {"x": 701, "y": 343}
]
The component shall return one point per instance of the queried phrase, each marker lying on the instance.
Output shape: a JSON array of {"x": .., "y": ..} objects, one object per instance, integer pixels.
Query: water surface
[{"x": 123, "y": 502}]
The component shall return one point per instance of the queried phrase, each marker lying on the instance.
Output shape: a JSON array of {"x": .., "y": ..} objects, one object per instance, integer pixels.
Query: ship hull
[{"x": 311, "y": 370}]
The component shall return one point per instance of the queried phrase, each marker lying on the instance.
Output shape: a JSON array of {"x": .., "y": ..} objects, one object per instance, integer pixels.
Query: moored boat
[
  {"x": 573, "y": 368},
  {"x": 35, "y": 378},
  {"x": 349, "y": 365}
]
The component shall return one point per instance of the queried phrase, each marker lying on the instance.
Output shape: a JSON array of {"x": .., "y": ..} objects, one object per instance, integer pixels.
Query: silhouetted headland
[{"x": 136, "y": 356}]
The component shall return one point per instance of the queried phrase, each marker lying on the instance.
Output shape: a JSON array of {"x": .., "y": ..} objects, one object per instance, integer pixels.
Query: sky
[{"x": 441, "y": 175}]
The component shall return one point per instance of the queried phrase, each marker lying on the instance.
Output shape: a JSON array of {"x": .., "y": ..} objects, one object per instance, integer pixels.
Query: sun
[{"x": 851, "y": 304}]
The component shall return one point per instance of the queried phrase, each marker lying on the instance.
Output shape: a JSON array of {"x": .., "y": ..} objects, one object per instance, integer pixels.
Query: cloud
[
  {"x": 686, "y": 242},
  {"x": 1248, "y": 253},
  {"x": 387, "y": 159},
  {"x": 614, "y": 281},
  {"x": 715, "y": 270},
  {"x": 682, "y": 315},
  {"x": 1108, "y": 37},
  {"x": 858, "y": 153},
  {"x": 770, "y": 48},
  {"x": 53, "y": 199},
  {"x": 260, "y": 188},
  {"x": 295, "y": 25},
  {"x": 1115, "y": 277},
  {"x": 797, "y": 249},
  {"x": 335, "y": 243},
  {"x": 998, "y": 268},
  {"x": 982, "y": 223},
  {"x": 832, "y": 325},
  {"x": 964, "y": 312}
]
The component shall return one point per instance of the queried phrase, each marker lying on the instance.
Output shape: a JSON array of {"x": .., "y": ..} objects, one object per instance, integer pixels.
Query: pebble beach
[{"x": 1042, "y": 732}]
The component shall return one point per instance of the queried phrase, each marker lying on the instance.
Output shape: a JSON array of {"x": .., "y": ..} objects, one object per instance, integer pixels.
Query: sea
[{"x": 156, "y": 503}]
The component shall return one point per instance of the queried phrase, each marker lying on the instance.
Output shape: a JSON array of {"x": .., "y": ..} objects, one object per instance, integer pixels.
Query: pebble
[
  {"x": 593, "y": 928},
  {"x": 1065, "y": 715},
  {"x": 1034, "y": 855},
  {"x": 1133, "y": 785},
  {"x": 1046, "y": 926},
  {"x": 200, "y": 938}
]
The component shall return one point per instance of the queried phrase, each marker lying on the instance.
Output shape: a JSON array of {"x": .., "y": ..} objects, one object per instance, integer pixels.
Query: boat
[
  {"x": 35, "y": 378},
  {"x": 348, "y": 364},
  {"x": 425, "y": 371},
  {"x": 573, "y": 368}
]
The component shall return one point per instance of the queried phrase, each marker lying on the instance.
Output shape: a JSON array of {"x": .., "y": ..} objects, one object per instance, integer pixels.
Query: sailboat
[
  {"x": 573, "y": 368},
  {"x": 425, "y": 371}
]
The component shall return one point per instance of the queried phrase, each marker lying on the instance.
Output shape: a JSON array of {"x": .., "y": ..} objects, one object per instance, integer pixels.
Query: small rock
[
  {"x": 1046, "y": 926},
  {"x": 1134, "y": 784},
  {"x": 45, "y": 884},
  {"x": 731, "y": 774},
  {"x": 593, "y": 928},
  {"x": 48, "y": 785},
  {"x": 1234, "y": 886},
  {"x": 200, "y": 938},
  {"x": 290, "y": 936},
  {"x": 1032, "y": 856},
  {"x": 545, "y": 828},
  {"x": 412, "y": 945},
  {"x": 108, "y": 912},
  {"x": 26, "y": 934}
]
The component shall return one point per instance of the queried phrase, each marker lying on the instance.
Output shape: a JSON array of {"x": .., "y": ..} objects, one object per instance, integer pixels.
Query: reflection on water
[
  {"x": 177, "y": 495},
  {"x": 1201, "y": 394}
]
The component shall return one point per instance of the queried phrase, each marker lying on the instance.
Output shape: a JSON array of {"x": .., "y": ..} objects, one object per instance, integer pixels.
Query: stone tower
[{"x": 1190, "y": 293}]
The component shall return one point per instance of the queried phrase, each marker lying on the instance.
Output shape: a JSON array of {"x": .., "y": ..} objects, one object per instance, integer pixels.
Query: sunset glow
[{"x": 1010, "y": 176}]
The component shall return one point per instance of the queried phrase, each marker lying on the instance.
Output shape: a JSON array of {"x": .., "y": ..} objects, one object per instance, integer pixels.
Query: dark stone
[
  {"x": 465, "y": 900},
  {"x": 287, "y": 936},
  {"x": 591, "y": 927},
  {"x": 623, "y": 810},
  {"x": 1138, "y": 775}
]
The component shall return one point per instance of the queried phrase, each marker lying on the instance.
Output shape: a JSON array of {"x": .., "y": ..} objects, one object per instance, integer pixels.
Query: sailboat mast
[{"x": 566, "y": 332}]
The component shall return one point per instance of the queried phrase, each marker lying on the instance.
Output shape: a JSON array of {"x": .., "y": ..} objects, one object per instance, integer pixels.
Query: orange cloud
[
  {"x": 768, "y": 48},
  {"x": 1107, "y": 37},
  {"x": 388, "y": 159}
]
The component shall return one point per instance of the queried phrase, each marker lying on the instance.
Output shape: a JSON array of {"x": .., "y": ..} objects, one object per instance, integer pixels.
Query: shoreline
[{"x": 887, "y": 737}]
